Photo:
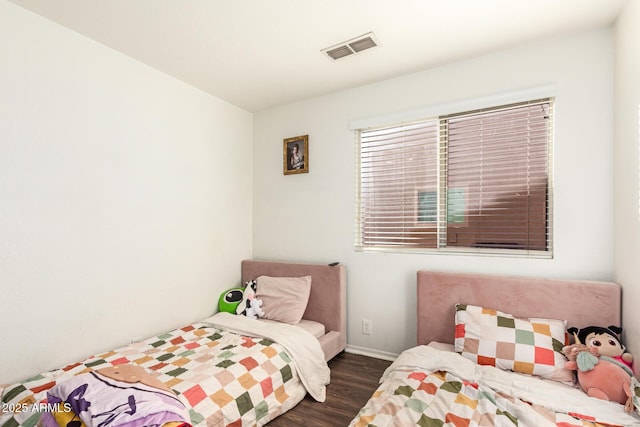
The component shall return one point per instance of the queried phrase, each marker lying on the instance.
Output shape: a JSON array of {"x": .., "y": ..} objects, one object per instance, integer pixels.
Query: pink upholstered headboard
[
  {"x": 581, "y": 303},
  {"x": 327, "y": 300}
]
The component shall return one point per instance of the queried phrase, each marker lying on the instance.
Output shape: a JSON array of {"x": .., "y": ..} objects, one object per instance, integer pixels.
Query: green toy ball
[{"x": 230, "y": 299}]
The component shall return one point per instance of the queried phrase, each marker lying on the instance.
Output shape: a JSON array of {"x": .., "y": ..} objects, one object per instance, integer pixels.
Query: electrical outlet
[{"x": 367, "y": 327}]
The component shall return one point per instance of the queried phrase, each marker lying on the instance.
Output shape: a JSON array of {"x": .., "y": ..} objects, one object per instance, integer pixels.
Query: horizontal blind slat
[{"x": 495, "y": 169}]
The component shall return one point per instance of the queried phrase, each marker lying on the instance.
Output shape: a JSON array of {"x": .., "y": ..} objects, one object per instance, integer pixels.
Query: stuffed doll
[
  {"x": 255, "y": 309},
  {"x": 599, "y": 375},
  {"x": 604, "y": 341},
  {"x": 250, "y": 306}
]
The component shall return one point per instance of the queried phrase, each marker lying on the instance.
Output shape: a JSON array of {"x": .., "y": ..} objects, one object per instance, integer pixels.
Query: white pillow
[{"x": 284, "y": 298}]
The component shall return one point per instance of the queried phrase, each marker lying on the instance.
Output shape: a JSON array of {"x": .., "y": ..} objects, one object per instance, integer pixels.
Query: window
[{"x": 473, "y": 181}]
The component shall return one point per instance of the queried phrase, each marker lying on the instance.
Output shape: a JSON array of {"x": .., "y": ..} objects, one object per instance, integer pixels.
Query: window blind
[{"x": 478, "y": 180}]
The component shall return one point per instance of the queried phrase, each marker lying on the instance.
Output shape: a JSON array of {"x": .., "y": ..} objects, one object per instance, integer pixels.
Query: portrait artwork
[{"x": 296, "y": 155}]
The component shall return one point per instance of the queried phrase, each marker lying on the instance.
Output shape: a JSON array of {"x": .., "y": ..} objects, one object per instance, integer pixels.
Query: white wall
[
  {"x": 627, "y": 172},
  {"x": 125, "y": 197},
  {"x": 310, "y": 217}
]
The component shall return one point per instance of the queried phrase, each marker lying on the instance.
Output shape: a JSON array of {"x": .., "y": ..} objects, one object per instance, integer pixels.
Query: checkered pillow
[{"x": 530, "y": 346}]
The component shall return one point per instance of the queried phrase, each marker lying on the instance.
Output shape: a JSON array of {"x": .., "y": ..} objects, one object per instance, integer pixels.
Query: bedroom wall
[
  {"x": 627, "y": 170},
  {"x": 125, "y": 197},
  {"x": 310, "y": 217}
]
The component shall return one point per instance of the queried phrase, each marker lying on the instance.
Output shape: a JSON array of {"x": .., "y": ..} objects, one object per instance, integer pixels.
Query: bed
[
  {"x": 225, "y": 370},
  {"x": 327, "y": 300},
  {"x": 433, "y": 385}
]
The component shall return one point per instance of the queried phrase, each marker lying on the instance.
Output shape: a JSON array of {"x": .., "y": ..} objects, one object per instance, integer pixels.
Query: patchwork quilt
[
  {"x": 428, "y": 387},
  {"x": 222, "y": 378}
]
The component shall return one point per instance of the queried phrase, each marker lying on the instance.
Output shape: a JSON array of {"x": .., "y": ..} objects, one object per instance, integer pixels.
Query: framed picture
[{"x": 295, "y": 155}]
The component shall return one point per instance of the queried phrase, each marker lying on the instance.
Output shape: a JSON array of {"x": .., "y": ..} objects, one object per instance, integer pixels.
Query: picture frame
[{"x": 295, "y": 155}]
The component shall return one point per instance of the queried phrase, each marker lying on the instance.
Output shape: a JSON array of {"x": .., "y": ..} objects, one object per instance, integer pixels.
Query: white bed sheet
[
  {"x": 314, "y": 328},
  {"x": 549, "y": 394}
]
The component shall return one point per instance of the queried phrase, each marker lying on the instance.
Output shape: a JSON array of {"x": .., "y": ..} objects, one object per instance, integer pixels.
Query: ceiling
[{"x": 257, "y": 54}]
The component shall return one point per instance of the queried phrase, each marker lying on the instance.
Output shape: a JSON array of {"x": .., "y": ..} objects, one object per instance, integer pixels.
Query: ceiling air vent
[{"x": 352, "y": 46}]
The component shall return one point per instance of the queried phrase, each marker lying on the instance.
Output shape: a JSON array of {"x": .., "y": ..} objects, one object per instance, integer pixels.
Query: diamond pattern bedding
[{"x": 224, "y": 379}]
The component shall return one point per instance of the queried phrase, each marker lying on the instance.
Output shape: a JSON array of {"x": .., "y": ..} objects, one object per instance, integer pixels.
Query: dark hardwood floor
[{"x": 353, "y": 379}]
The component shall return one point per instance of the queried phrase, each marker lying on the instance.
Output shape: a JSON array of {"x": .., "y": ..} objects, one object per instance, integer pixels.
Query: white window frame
[{"x": 442, "y": 247}]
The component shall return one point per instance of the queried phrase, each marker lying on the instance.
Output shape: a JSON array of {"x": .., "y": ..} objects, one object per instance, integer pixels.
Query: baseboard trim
[{"x": 370, "y": 352}]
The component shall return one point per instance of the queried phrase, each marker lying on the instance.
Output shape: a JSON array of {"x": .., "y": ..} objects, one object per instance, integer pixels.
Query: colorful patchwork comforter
[
  {"x": 429, "y": 387},
  {"x": 222, "y": 378}
]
